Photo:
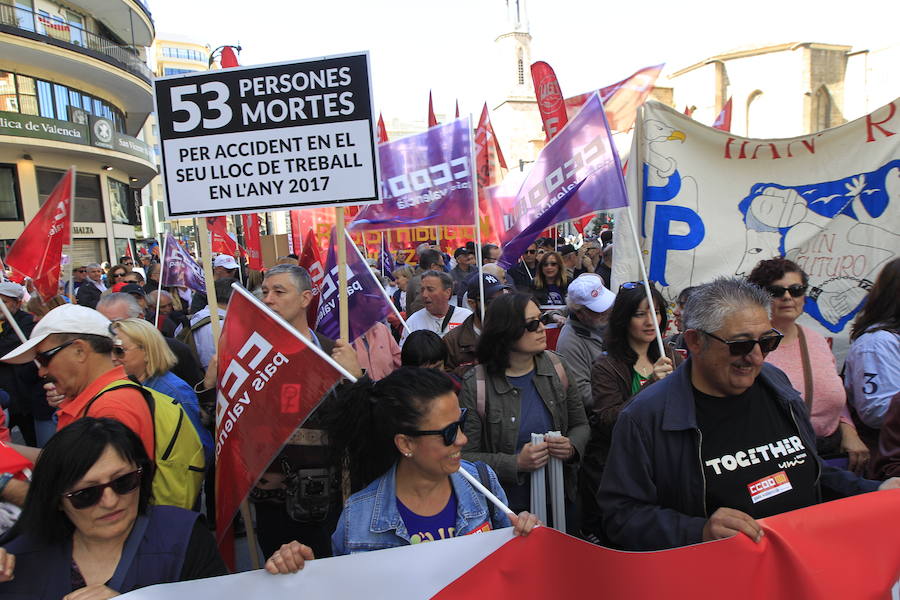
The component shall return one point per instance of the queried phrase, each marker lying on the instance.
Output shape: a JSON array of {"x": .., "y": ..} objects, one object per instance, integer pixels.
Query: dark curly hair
[{"x": 773, "y": 269}]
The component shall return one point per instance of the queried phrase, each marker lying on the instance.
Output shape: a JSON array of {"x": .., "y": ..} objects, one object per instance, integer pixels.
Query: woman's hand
[
  {"x": 560, "y": 447},
  {"x": 532, "y": 457},
  {"x": 7, "y": 565},
  {"x": 662, "y": 367},
  {"x": 523, "y": 523},
  {"x": 290, "y": 558},
  {"x": 856, "y": 450},
  {"x": 98, "y": 591}
]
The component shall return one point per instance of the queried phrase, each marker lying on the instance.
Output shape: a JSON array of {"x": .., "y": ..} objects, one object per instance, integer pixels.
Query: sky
[{"x": 448, "y": 46}]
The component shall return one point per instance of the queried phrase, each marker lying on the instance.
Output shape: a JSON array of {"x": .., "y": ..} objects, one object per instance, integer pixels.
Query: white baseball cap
[
  {"x": 225, "y": 261},
  {"x": 68, "y": 318},
  {"x": 11, "y": 289},
  {"x": 588, "y": 290}
]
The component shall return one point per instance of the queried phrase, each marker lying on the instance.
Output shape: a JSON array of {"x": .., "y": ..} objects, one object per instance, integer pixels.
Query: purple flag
[
  {"x": 386, "y": 260},
  {"x": 582, "y": 151},
  {"x": 367, "y": 304},
  {"x": 426, "y": 179},
  {"x": 180, "y": 269},
  {"x": 515, "y": 248}
]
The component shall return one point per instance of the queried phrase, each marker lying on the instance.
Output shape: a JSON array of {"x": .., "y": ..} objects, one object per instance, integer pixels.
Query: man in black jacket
[
  {"x": 722, "y": 441},
  {"x": 28, "y": 408}
]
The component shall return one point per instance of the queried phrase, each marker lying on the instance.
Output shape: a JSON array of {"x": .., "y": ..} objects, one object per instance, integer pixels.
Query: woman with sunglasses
[
  {"x": 115, "y": 275},
  {"x": 519, "y": 388},
  {"x": 807, "y": 360},
  {"x": 142, "y": 350},
  {"x": 87, "y": 530},
  {"x": 401, "y": 439},
  {"x": 550, "y": 280},
  {"x": 632, "y": 361}
]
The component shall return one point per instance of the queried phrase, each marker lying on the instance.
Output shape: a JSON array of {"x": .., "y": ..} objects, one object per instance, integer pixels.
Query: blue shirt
[
  {"x": 174, "y": 386},
  {"x": 533, "y": 418},
  {"x": 429, "y": 529}
]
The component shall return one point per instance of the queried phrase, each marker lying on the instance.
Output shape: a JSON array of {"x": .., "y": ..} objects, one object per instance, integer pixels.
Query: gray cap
[{"x": 11, "y": 289}]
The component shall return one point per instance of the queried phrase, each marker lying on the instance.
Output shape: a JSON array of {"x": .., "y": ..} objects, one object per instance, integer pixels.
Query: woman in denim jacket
[{"x": 404, "y": 435}]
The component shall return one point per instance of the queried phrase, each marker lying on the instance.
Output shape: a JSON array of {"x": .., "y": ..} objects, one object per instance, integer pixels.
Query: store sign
[
  {"x": 39, "y": 127},
  {"x": 287, "y": 135},
  {"x": 103, "y": 132}
]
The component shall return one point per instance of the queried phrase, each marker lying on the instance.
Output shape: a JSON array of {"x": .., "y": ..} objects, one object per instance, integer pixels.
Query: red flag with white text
[
  {"x": 490, "y": 168},
  {"x": 621, "y": 99},
  {"x": 269, "y": 382},
  {"x": 723, "y": 121},
  {"x": 220, "y": 240},
  {"x": 250, "y": 223},
  {"x": 37, "y": 253},
  {"x": 549, "y": 98},
  {"x": 311, "y": 261}
]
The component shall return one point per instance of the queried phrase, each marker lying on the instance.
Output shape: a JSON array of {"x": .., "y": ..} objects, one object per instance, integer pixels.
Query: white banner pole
[{"x": 640, "y": 261}]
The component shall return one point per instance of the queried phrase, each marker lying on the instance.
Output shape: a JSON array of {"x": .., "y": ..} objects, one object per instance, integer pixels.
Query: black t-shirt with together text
[{"x": 753, "y": 458}]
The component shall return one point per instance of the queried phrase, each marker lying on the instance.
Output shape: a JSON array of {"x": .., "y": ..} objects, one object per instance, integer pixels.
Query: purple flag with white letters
[
  {"x": 582, "y": 151},
  {"x": 427, "y": 179},
  {"x": 386, "y": 259},
  {"x": 366, "y": 302},
  {"x": 180, "y": 269}
]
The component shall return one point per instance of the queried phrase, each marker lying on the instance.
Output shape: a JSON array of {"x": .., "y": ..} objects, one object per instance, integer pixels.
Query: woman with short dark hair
[
  {"x": 806, "y": 358},
  {"x": 523, "y": 389},
  {"x": 87, "y": 523}
]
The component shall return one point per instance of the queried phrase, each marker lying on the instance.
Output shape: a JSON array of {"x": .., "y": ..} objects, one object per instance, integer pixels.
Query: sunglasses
[
  {"x": 89, "y": 496},
  {"x": 630, "y": 285},
  {"x": 766, "y": 343},
  {"x": 118, "y": 351},
  {"x": 534, "y": 325},
  {"x": 81, "y": 270},
  {"x": 777, "y": 291},
  {"x": 531, "y": 252},
  {"x": 44, "y": 358},
  {"x": 551, "y": 264},
  {"x": 449, "y": 432}
]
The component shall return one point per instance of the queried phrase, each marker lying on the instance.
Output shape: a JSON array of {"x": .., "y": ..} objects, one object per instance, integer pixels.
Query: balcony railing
[{"x": 126, "y": 57}]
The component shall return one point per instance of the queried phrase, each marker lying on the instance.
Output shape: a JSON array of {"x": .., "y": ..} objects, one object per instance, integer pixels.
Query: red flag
[
  {"x": 251, "y": 226},
  {"x": 432, "y": 120},
  {"x": 269, "y": 381},
  {"x": 549, "y": 98},
  {"x": 457, "y": 109},
  {"x": 220, "y": 240},
  {"x": 490, "y": 168},
  {"x": 311, "y": 261},
  {"x": 128, "y": 251},
  {"x": 723, "y": 121},
  {"x": 583, "y": 222},
  {"x": 294, "y": 238},
  {"x": 621, "y": 99},
  {"x": 382, "y": 131},
  {"x": 228, "y": 58},
  {"x": 38, "y": 251},
  {"x": 688, "y": 111}
]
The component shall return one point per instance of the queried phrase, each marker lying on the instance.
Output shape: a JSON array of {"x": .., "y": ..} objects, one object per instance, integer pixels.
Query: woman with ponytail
[{"x": 402, "y": 437}]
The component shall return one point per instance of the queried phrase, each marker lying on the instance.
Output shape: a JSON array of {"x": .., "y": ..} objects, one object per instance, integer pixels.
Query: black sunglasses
[
  {"x": 630, "y": 285},
  {"x": 449, "y": 432},
  {"x": 530, "y": 251},
  {"x": 89, "y": 496},
  {"x": 44, "y": 358},
  {"x": 766, "y": 343},
  {"x": 777, "y": 291},
  {"x": 534, "y": 324}
]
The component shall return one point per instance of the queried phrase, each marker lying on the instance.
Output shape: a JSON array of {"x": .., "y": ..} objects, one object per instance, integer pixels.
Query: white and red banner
[
  {"x": 253, "y": 247},
  {"x": 311, "y": 261},
  {"x": 37, "y": 253},
  {"x": 269, "y": 381},
  {"x": 723, "y": 121},
  {"x": 708, "y": 203},
  {"x": 220, "y": 240},
  {"x": 842, "y": 549},
  {"x": 549, "y": 98}
]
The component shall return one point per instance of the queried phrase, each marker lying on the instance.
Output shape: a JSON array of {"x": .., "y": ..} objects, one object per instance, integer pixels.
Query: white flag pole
[
  {"x": 487, "y": 493},
  {"x": 70, "y": 266},
  {"x": 383, "y": 291},
  {"x": 236, "y": 287},
  {"x": 478, "y": 257},
  {"x": 162, "y": 266},
  {"x": 646, "y": 281}
]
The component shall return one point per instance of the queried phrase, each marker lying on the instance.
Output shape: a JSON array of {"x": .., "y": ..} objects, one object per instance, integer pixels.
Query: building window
[
  {"x": 184, "y": 53},
  {"x": 9, "y": 194},
  {"x": 172, "y": 71},
  {"x": 88, "y": 200},
  {"x": 121, "y": 203},
  {"x": 521, "y": 72},
  {"x": 28, "y": 104},
  {"x": 8, "y": 99}
]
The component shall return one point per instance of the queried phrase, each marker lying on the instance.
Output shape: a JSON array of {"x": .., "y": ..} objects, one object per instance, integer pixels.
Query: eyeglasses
[
  {"x": 118, "y": 351},
  {"x": 81, "y": 270},
  {"x": 89, "y": 496},
  {"x": 44, "y": 358},
  {"x": 533, "y": 325},
  {"x": 531, "y": 252},
  {"x": 777, "y": 291},
  {"x": 766, "y": 343},
  {"x": 449, "y": 432},
  {"x": 118, "y": 275},
  {"x": 551, "y": 264},
  {"x": 630, "y": 285},
  {"x": 128, "y": 264}
]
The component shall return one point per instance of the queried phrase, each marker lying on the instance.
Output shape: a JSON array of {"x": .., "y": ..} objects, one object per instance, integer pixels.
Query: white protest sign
[{"x": 252, "y": 139}]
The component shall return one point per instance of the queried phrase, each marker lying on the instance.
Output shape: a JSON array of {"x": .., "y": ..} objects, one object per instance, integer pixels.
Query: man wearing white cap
[
  {"x": 224, "y": 267},
  {"x": 28, "y": 409},
  {"x": 581, "y": 338},
  {"x": 73, "y": 346}
]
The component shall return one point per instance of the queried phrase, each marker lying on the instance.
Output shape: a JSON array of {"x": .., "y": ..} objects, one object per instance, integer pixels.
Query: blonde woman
[{"x": 142, "y": 350}]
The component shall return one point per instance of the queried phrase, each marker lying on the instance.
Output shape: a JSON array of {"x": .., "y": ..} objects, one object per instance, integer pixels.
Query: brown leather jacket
[
  {"x": 461, "y": 343},
  {"x": 886, "y": 461}
]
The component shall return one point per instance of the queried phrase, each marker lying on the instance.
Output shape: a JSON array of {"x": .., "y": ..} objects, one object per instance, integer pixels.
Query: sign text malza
[{"x": 269, "y": 137}]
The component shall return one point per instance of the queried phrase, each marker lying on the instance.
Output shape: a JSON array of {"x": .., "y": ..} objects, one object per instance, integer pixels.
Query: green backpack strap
[{"x": 131, "y": 382}]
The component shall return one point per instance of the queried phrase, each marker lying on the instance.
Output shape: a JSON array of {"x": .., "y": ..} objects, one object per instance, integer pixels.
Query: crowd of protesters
[{"x": 664, "y": 415}]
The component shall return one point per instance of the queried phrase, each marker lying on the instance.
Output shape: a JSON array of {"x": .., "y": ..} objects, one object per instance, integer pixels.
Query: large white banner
[{"x": 707, "y": 203}]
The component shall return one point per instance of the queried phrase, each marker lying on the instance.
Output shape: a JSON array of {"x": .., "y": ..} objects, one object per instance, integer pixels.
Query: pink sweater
[{"x": 829, "y": 405}]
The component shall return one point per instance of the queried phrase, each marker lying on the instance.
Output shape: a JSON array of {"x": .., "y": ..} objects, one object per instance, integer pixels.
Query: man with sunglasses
[
  {"x": 73, "y": 348},
  {"x": 522, "y": 275},
  {"x": 723, "y": 441},
  {"x": 462, "y": 341}
]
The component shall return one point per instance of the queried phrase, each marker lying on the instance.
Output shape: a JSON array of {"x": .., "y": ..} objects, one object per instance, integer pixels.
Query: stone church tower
[{"x": 515, "y": 115}]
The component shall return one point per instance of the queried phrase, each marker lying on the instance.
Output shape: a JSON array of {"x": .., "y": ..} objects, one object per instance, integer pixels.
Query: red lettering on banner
[{"x": 872, "y": 125}]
